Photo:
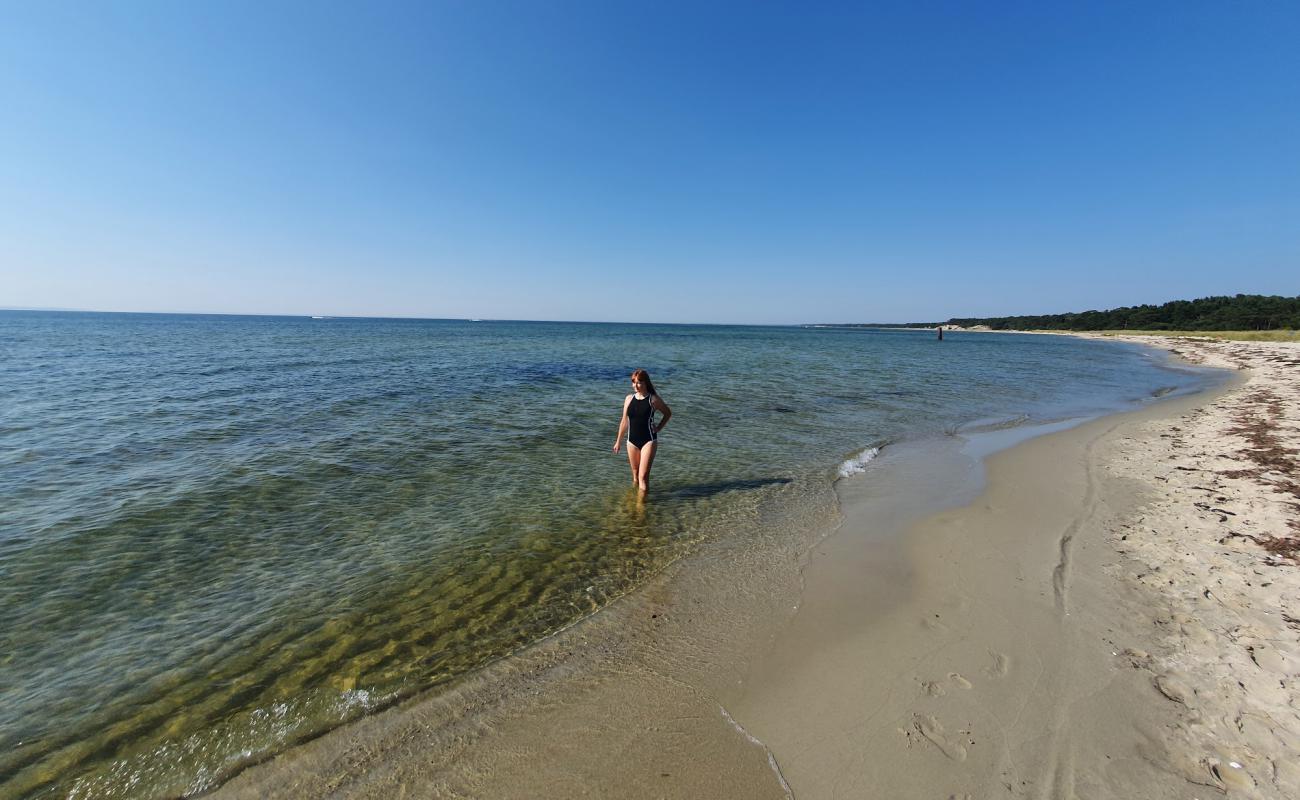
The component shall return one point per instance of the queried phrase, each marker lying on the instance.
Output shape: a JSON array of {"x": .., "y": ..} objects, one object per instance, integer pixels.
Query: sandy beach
[
  {"x": 1109, "y": 619},
  {"x": 1114, "y": 614},
  {"x": 944, "y": 475}
]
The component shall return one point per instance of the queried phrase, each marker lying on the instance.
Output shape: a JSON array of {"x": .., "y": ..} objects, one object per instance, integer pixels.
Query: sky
[{"x": 753, "y": 162}]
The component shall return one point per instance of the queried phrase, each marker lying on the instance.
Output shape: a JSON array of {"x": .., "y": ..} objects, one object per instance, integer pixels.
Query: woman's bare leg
[
  {"x": 647, "y": 457},
  {"x": 634, "y": 461}
]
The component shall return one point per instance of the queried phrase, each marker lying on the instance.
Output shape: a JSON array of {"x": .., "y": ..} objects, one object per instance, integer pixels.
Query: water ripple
[{"x": 222, "y": 535}]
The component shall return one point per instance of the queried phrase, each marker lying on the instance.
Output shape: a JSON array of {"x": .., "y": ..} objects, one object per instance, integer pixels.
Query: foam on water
[{"x": 858, "y": 463}]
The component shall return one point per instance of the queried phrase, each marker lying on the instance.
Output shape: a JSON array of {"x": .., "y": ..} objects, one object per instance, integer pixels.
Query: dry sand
[
  {"x": 1214, "y": 552},
  {"x": 1114, "y": 616}
]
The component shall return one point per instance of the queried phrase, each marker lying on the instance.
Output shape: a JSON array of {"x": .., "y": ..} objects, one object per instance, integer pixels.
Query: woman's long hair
[{"x": 645, "y": 376}]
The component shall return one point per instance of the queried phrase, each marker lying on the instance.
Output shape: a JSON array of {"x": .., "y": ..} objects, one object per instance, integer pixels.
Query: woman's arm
[
  {"x": 622, "y": 425},
  {"x": 658, "y": 402}
]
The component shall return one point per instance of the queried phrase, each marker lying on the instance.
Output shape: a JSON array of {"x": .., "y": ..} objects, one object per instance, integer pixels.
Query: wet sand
[
  {"x": 1113, "y": 615},
  {"x": 630, "y": 702}
]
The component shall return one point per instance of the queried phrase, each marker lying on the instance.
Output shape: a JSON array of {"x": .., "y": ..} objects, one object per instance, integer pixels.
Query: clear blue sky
[{"x": 648, "y": 161}]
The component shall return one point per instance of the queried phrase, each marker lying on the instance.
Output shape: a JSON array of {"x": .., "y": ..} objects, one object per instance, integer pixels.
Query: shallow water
[{"x": 223, "y": 535}]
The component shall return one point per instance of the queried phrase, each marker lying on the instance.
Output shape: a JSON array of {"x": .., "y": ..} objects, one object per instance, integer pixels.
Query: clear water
[{"x": 223, "y": 535}]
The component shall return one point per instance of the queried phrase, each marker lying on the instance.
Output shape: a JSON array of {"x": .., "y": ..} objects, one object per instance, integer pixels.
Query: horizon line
[{"x": 64, "y": 310}]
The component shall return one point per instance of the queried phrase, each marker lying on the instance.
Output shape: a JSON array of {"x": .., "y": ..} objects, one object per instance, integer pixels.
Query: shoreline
[
  {"x": 652, "y": 697},
  {"x": 1109, "y": 619}
]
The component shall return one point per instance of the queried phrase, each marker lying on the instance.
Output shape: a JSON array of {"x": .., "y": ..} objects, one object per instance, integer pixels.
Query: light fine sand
[
  {"x": 1215, "y": 554},
  {"x": 1114, "y": 616}
]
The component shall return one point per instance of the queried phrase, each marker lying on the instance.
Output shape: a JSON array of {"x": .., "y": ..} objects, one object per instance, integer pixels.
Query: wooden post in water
[{"x": 941, "y": 333}]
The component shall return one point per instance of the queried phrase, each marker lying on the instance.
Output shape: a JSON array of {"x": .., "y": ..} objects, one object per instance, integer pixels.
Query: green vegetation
[
  {"x": 1242, "y": 313},
  {"x": 1236, "y": 336}
]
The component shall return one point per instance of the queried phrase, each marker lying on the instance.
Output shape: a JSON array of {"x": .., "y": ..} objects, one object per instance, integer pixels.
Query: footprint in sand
[
  {"x": 938, "y": 689},
  {"x": 1171, "y": 685},
  {"x": 932, "y": 730},
  {"x": 932, "y": 623},
  {"x": 1001, "y": 665}
]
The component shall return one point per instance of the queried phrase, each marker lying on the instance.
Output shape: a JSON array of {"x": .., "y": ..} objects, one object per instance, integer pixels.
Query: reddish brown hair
[{"x": 645, "y": 376}]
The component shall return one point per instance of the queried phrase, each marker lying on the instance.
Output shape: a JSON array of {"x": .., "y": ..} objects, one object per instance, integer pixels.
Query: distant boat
[{"x": 315, "y": 317}]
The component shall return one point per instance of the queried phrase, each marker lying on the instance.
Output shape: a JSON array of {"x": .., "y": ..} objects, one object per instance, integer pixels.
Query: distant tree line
[{"x": 1243, "y": 312}]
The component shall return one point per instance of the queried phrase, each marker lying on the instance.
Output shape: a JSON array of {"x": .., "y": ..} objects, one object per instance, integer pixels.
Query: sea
[{"x": 221, "y": 535}]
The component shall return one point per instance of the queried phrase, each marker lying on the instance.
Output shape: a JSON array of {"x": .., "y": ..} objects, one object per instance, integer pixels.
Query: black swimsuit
[{"x": 640, "y": 422}]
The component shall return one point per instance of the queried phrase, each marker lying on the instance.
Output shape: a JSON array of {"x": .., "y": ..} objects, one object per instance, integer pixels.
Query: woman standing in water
[{"x": 639, "y": 425}]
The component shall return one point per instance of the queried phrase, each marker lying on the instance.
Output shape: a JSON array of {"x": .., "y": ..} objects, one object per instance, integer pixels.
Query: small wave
[
  {"x": 771, "y": 759},
  {"x": 859, "y": 462}
]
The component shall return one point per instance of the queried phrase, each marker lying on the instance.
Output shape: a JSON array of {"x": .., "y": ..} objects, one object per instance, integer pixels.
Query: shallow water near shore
[{"x": 224, "y": 535}]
